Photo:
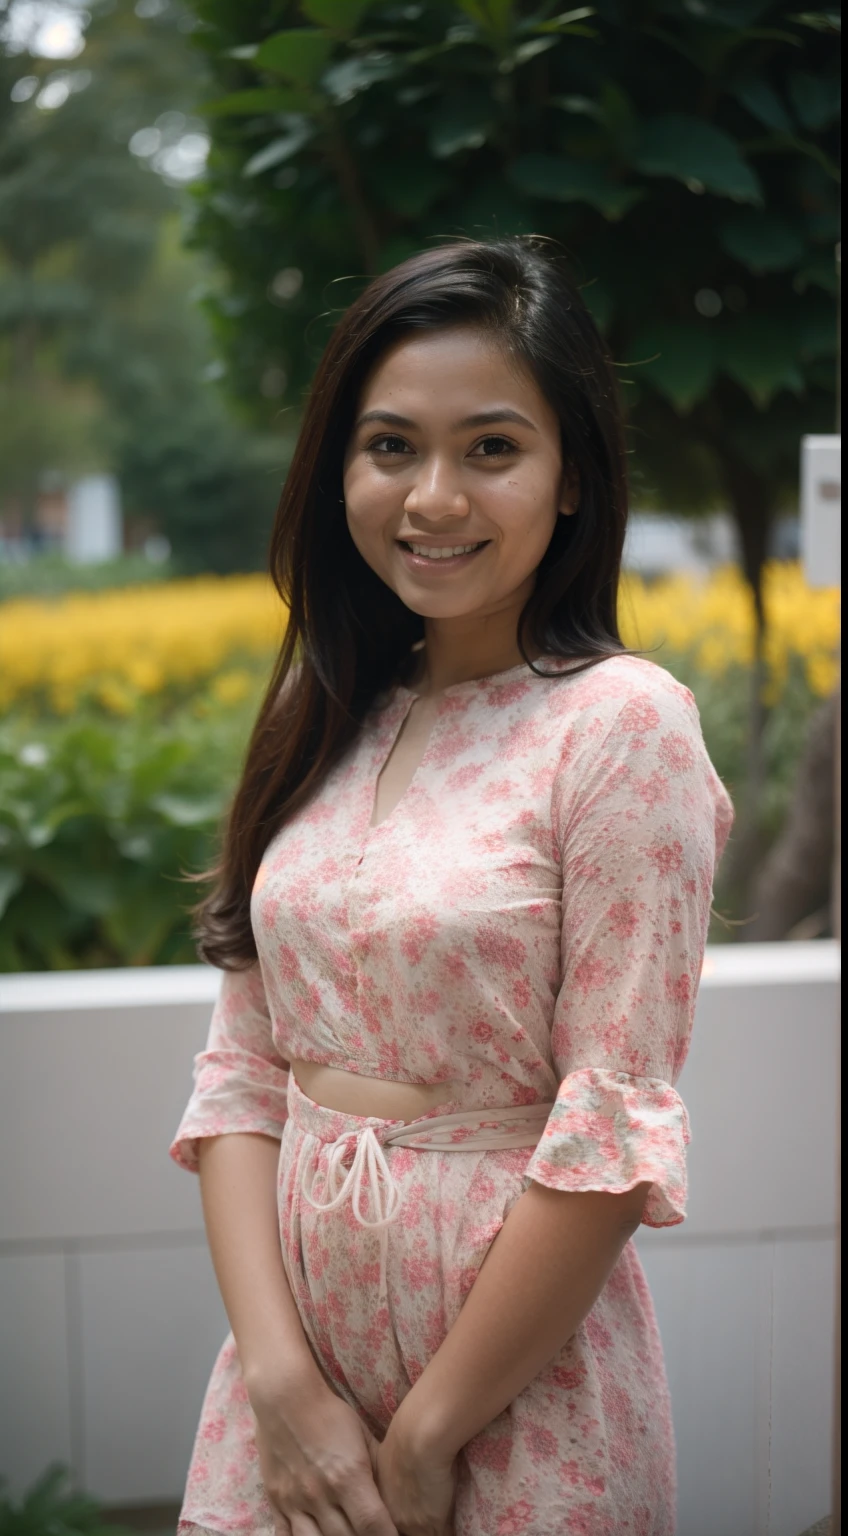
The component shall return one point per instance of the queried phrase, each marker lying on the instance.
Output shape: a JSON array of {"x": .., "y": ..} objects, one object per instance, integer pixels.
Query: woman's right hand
[{"x": 317, "y": 1462}]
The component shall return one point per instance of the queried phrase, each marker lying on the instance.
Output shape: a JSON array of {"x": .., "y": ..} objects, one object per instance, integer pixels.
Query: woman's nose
[{"x": 436, "y": 492}]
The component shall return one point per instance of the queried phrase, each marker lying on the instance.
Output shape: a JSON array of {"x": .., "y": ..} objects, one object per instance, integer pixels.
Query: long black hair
[{"x": 350, "y": 634}]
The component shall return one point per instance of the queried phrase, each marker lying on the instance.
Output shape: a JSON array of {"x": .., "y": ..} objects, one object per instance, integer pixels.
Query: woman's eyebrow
[
  {"x": 391, "y": 417},
  {"x": 478, "y": 419},
  {"x": 490, "y": 418}
]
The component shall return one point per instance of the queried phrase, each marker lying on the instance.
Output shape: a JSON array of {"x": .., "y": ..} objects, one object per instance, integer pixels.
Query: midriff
[{"x": 379, "y": 1098}]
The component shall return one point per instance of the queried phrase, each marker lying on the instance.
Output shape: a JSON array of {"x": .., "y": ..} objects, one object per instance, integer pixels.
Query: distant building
[{"x": 659, "y": 542}]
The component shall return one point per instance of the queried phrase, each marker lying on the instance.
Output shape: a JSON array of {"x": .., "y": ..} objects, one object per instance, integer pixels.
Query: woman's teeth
[{"x": 442, "y": 554}]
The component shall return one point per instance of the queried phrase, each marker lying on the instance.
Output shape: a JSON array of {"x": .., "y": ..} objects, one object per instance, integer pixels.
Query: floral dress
[{"x": 526, "y": 926}]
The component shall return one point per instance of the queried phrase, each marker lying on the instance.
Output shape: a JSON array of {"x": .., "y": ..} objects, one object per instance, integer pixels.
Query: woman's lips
[{"x": 430, "y": 564}]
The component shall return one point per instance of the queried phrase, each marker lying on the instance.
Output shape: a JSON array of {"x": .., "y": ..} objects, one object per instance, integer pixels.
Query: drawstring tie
[
  {"x": 461, "y": 1131},
  {"x": 369, "y": 1163}
]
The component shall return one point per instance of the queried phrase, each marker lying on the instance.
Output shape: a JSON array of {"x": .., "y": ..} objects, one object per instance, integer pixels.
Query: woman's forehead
[{"x": 452, "y": 375}]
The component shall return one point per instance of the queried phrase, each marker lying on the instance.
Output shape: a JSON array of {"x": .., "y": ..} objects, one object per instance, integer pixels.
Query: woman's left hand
[{"x": 416, "y": 1487}]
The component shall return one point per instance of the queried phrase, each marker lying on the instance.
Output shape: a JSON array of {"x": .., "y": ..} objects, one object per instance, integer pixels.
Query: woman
[{"x": 461, "y": 913}]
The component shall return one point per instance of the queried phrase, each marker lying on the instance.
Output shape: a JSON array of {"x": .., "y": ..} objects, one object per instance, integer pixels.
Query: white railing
[{"x": 109, "y": 1314}]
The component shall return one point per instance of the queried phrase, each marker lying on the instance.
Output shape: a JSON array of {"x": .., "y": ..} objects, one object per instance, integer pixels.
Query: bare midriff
[{"x": 379, "y": 1098}]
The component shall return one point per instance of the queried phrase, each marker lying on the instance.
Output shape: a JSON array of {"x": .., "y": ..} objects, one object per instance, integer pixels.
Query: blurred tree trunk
[{"x": 796, "y": 881}]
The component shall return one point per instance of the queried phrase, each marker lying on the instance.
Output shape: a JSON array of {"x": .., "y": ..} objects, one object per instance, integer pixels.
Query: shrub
[
  {"x": 132, "y": 711},
  {"x": 99, "y": 823},
  {"x": 51, "y": 1508}
]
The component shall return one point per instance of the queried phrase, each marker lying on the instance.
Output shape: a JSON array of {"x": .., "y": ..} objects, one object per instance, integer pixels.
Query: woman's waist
[{"x": 355, "y": 1093}]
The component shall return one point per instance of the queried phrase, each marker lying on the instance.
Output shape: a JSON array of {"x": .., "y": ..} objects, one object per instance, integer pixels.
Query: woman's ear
[{"x": 569, "y": 495}]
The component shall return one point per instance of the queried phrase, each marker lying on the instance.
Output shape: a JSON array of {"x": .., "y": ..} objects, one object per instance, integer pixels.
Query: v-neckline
[{"x": 410, "y": 700}]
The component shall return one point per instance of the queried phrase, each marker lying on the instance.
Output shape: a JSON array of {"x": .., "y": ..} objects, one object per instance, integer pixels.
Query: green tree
[
  {"x": 105, "y": 353},
  {"x": 683, "y": 151}
]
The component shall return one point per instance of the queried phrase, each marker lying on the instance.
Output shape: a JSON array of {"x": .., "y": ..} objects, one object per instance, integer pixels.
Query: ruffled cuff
[
  {"x": 233, "y": 1091},
  {"x": 611, "y": 1131}
]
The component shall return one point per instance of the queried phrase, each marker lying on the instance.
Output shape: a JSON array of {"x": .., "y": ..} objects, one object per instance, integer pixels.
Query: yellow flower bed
[
  {"x": 116, "y": 646},
  {"x": 713, "y": 623},
  {"x": 210, "y": 637}
]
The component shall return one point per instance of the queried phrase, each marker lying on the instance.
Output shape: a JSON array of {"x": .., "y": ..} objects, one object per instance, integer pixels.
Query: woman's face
[{"x": 453, "y": 476}]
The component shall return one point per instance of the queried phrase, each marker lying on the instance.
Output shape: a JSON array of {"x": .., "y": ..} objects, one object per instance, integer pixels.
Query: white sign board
[
  {"x": 95, "y": 527},
  {"x": 821, "y": 510}
]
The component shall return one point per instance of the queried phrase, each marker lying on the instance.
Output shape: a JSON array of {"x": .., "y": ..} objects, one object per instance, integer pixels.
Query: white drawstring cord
[
  {"x": 447, "y": 1133},
  {"x": 368, "y": 1160}
]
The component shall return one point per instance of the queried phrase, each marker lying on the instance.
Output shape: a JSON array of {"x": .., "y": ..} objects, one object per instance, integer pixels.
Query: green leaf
[
  {"x": 816, "y": 99},
  {"x": 342, "y": 16},
  {"x": 572, "y": 181},
  {"x": 11, "y": 881},
  {"x": 157, "y": 768},
  {"x": 525, "y": 52},
  {"x": 460, "y": 124},
  {"x": 299, "y": 56},
  {"x": 763, "y": 103},
  {"x": 679, "y": 359},
  {"x": 819, "y": 271},
  {"x": 186, "y": 810},
  {"x": 761, "y": 354},
  {"x": 408, "y": 187},
  {"x": 490, "y": 15},
  {"x": 84, "y": 887},
  {"x": 252, "y": 103},
  {"x": 763, "y": 242},
  {"x": 567, "y": 19},
  {"x": 581, "y": 105},
  {"x": 598, "y": 300},
  {"x": 819, "y": 21},
  {"x": 489, "y": 209},
  {"x": 280, "y": 149},
  {"x": 696, "y": 152},
  {"x": 139, "y": 926},
  {"x": 818, "y": 327},
  {"x": 349, "y": 78}
]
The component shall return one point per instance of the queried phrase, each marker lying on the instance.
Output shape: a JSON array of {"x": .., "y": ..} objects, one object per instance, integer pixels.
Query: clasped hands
[{"x": 326, "y": 1475}]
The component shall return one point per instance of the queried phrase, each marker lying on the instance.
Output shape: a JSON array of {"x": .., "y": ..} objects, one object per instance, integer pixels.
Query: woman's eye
[
  {"x": 388, "y": 444},
  {"x": 494, "y": 448}
]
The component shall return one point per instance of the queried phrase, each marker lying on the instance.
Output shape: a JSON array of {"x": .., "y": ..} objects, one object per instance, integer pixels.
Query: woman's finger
[
  {"x": 304, "y": 1525},
  {"x": 332, "y": 1522},
  {"x": 367, "y": 1513}
]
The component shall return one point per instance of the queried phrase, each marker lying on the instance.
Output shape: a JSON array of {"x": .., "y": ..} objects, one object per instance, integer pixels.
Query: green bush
[
  {"x": 99, "y": 822},
  {"x": 101, "y": 819},
  {"x": 51, "y": 575},
  {"x": 51, "y": 1508}
]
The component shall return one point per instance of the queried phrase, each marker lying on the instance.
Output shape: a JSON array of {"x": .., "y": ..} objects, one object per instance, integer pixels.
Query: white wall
[{"x": 109, "y": 1314}]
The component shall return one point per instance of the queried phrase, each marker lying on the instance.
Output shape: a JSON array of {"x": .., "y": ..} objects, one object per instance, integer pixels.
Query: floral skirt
[{"x": 587, "y": 1448}]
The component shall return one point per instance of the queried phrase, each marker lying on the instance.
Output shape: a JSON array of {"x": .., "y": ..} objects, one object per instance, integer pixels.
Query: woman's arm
[
  {"x": 316, "y": 1457},
  {"x": 238, "y": 1184},
  {"x": 539, "y": 1280}
]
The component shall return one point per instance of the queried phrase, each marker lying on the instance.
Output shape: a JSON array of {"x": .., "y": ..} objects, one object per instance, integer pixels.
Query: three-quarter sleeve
[
  {"x": 240, "y": 1080},
  {"x": 640, "y": 818}
]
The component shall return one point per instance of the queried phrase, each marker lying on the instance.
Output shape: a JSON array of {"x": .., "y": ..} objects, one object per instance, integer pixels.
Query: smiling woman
[
  {"x": 461, "y": 911},
  {"x": 507, "y": 306}
]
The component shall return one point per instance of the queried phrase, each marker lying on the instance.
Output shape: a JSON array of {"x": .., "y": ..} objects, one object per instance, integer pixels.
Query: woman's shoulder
[
  {"x": 625, "y": 689},
  {"x": 633, "y": 729}
]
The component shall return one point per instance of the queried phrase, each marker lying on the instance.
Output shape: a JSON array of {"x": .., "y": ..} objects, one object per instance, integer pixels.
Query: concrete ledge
[{"x": 724, "y": 965}]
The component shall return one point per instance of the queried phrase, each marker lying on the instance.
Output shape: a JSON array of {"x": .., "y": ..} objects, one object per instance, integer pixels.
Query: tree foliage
[
  {"x": 683, "y": 151},
  {"x": 105, "y": 354}
]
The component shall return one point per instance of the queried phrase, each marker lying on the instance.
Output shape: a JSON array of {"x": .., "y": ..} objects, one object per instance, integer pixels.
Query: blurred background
[
  {"x": 191, "y": 191},
  {"x": 190, "y": 194}
]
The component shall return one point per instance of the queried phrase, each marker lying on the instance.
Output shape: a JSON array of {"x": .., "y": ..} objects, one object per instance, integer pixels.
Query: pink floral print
[{"x": 526, "y": 927}]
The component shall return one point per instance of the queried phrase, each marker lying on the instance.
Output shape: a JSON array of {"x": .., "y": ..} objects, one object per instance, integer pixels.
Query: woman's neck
[{"x": 458, "y": 651}]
